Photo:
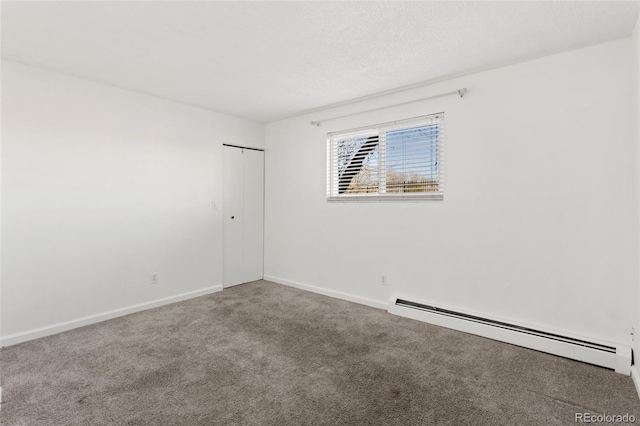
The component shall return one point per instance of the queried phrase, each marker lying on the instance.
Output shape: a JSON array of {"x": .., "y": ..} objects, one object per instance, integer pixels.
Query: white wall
[
  {"x": 537, "y": 218},
  {"x": 102, "y": 187},
  {"x": 636, "y": 136}
]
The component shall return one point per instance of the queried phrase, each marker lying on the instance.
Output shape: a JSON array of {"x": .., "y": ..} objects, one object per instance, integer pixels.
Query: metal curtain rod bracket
[{"x": 459, "y": 92}]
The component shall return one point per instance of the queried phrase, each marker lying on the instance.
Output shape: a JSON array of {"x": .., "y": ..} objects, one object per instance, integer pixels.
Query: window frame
[{"x": 380, "y": 130}]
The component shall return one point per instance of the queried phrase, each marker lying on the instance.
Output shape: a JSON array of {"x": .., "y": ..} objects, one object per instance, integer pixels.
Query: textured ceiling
[{"x": 269, "y": 60}]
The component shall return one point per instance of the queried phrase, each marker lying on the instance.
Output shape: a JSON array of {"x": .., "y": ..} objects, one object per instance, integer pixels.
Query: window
[{"x": 401, "y": 160}]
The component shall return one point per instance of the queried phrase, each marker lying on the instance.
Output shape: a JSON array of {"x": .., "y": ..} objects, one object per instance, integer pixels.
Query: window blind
[{"x": 400, "y": 160}]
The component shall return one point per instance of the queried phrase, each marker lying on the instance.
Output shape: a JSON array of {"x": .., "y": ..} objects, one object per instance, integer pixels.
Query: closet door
[{"x": 243, "y": 209}]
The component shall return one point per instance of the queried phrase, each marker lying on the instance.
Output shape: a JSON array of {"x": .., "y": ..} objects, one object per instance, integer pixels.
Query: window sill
[{"x": 389, "y": 197}]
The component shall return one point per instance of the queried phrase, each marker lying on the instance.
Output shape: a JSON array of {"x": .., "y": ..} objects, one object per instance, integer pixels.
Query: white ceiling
[{"x": 270, "y": 60}]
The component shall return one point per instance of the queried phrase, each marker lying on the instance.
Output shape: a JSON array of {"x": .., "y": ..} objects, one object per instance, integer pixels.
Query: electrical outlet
[
  {"x": 154, "y": 279},
  {"x": 383, "y": 279}
]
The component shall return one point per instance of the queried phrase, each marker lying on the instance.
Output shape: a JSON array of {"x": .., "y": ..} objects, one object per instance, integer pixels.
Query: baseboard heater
[{"x": 615, "y": 357}]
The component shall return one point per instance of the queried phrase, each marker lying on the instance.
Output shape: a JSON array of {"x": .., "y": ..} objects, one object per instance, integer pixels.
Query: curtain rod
[{"x": 459, "y": 92}]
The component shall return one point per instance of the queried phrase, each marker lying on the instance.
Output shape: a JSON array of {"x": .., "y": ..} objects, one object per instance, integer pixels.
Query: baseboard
[
  {"x": 635, "y": 375},
  {"x": 605, "y": 354},
  {"x": 36, "y": 333},
  {"x": 326, "y": 292}
]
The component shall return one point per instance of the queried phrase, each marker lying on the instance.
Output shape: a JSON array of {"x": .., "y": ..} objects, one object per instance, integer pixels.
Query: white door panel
[
  {"x": 233, "y": 236},
  {"x": 253, "y": 214}
]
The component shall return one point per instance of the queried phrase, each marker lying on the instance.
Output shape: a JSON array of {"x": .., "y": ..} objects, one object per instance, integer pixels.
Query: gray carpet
[{"x": 266, "y": 354}]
